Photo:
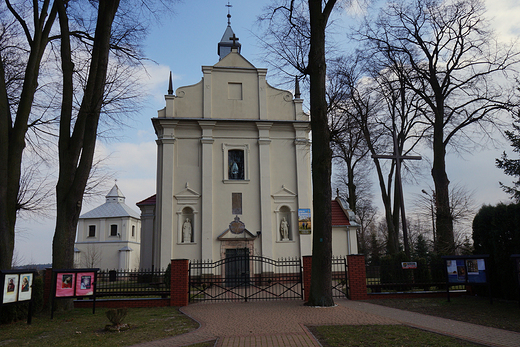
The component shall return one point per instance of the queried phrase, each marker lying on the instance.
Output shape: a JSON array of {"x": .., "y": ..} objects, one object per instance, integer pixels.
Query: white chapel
[
  {"x": 233, "y": 169},
  {"x": 109, "y": 236}
]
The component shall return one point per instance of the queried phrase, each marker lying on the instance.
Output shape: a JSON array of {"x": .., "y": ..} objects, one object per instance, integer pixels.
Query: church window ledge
[{"x": 236, "y": 181}]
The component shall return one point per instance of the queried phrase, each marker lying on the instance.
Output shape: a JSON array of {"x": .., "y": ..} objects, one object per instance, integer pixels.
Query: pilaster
[
  {"x": 207, "y": 188},
  {"x": 207, "y": 93},
  {"x": 264, "y": 165},
  {"x": 163, "y": 240},
  {"x": 262, "y": 94},
  {"x": 303, "y": 176}
]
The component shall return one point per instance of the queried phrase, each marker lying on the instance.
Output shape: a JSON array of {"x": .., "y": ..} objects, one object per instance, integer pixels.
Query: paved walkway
[{"x": 282, "y": 323}]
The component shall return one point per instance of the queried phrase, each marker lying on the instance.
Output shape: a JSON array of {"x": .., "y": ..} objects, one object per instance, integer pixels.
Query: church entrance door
[{"x": 237, "y": 267}]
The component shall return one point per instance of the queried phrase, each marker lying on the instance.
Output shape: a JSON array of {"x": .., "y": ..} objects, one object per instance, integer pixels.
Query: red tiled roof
[
  {"x": 339, "y": 218},
  {"x": 147, "y": 201}
]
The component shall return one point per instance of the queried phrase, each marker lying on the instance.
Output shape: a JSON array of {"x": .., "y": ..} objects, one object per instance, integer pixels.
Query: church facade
[{"x": 233, "y": 168}]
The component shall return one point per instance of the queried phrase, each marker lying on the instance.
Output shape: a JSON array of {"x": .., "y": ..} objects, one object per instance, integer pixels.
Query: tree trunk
[
  {"x": 12, "y": 136},
  {"x": 321, "y": 274},
  {"x": 76, "y": 151},
  {"x": 445, "y": 243}
]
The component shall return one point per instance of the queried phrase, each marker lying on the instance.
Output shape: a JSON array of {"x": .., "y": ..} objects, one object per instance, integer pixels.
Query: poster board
[
  {"x": 16, "y": 286},
  {"x": 10, "y": 290},
  {"x": 466, "y": 270},
  {"x": 74, "y": 283},
  {"x": 25, "y": 286},
  {"x": 304, "y": 221},
  {"x": 85, "y": 283},
  {"x": 65, "y": 284}
]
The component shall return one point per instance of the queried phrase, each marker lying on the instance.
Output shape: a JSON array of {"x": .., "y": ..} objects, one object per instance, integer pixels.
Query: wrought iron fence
[
  {"x": 340, "y": 288},
  {"x": 393, "y": 278},
  {"x": 128, "y": 283},
  {"x": 245, "y": 277}
]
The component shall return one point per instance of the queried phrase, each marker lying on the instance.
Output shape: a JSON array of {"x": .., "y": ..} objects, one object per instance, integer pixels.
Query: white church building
[
  {"x": 109, "y": 236},
  {"x": 233, "y": 170}
]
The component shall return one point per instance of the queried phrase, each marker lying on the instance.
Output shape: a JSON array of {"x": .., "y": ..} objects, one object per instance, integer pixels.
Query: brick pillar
[
  {"x": 307, "y": 268},
  {"x": 179, "y": 285},
  {"x": 357, "y": 277},
  {"x": 47, "y": 287}
]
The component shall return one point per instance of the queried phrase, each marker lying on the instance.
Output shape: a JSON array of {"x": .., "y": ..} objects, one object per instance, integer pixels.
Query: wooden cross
[
  {"x": 234, "y": 39},
  {"x": 398, "y": 159}
]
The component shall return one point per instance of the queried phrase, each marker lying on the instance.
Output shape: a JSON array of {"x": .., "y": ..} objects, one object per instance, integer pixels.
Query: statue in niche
[
  {"x": 186, "y": 231},
  {"x": 236, "y": 164},
  {"x": 234, "y": 170},
  {"x": 284, "y": 229}
]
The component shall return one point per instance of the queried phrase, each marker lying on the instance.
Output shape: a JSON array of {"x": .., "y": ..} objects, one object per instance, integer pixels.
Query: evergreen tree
[{"x": 511, "y": 167}]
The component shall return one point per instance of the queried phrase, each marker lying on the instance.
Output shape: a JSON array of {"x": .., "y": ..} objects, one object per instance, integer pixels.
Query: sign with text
[
  {"x": 304, "y": 221},
  {"x": 409, "y": 265}
]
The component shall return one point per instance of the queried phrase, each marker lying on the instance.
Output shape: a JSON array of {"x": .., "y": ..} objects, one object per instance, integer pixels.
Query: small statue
[
  {"x": 284, "y": 229},
  {"x": 234, "y": 170},
  {"x": 186, "y": 231}
]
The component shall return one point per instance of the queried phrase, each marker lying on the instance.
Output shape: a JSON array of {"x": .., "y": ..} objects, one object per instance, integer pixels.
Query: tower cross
[
  {"x": 234, "y": 39},
  {"x": 228, "y": 13},
  {"x": 398, "y": 158}
]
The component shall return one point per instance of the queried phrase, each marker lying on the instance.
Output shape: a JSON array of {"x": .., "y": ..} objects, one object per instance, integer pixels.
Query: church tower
[
  {"x": 233, "y": 166},
  {"x": 228, "y": 40}
]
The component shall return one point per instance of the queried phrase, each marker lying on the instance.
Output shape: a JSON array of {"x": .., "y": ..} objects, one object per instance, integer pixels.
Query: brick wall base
[{"x": 119, "y": 303}]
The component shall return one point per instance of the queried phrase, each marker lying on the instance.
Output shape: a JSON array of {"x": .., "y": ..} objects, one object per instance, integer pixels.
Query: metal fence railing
[
  {"x": 340, "y": 288},
  {"x": 128, "y": 283},
  {"x": 245, "y": 278}
]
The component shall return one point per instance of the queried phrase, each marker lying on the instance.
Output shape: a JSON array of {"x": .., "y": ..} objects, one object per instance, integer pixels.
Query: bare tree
[
  {"x": 86, "y": 82},
  {"x": 462, "y": 211},
  {"x": 18, "y": 85},
  {"x": 388, "y": 117},
  {"x": 91, "y": 257},
  {"x": 456, "y": 67},
  {"x": 347, "y": 140}
]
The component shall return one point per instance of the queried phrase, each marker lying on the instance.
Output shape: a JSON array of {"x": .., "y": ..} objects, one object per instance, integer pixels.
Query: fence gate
[
  {"x": 340, "y": 288},
  {"x": 244, "y": 277}
]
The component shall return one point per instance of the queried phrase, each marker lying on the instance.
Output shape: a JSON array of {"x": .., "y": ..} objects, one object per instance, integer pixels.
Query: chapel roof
[
  {"x": 148, "y": 201},
  {"x": 339, "y": 215},
  {"x": 113, "y": 207}
]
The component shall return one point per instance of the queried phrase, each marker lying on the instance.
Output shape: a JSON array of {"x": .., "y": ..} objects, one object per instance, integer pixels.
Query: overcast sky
[{"x": 188, "y": 39}]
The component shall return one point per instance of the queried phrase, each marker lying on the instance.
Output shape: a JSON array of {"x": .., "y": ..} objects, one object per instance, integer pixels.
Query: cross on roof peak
[{"x": 234, "y": 39}]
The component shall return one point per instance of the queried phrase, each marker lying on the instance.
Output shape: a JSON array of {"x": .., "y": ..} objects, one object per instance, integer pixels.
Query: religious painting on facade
[
  {"x": 10, "y": 288},
  {"x": 304, "y": 220},
  {"x": 236, "y": 164},
  {"x": 64, "y": 284},
  {"x": 25, "y": 290},
  {"x": 84, "y": 283}
]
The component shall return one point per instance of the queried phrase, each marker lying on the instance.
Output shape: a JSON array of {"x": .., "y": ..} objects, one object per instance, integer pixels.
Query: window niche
[
  {"x": 236, "y": 163},
  {"x": 113, "y": 230},
  {"x": 284, "y": 224},
  {"x": 91, "y": 231},
  {"x": 186, "y": 224}
]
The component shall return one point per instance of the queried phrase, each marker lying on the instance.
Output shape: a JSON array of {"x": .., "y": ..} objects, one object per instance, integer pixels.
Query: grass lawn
[
  {"x": 81, "y": 328},
  {"x": 476, "y": 310},
  {"x": 381, "y": 335}
]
